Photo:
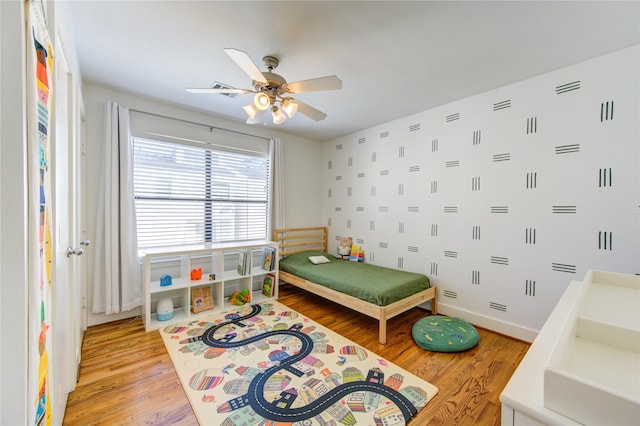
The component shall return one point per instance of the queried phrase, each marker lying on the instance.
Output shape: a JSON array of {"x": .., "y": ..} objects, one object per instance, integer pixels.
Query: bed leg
[
  {"x": 434, "y": 303},
  {"x": 382, "y": 336},
  {"x": 382, "y": 321}
]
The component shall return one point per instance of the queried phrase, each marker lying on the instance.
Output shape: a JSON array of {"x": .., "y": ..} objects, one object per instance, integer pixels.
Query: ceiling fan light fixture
[
  {"x": 289, "y": 106},
  {"x": 261, "y": 101},
  {"x": 259, "y": 116},
  {"x": 251, "y": 110},
  {"x": 278, "y": 116}
]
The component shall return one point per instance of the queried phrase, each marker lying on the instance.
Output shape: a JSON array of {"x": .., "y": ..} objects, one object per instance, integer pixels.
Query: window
[{"x": 187, "y": 194}]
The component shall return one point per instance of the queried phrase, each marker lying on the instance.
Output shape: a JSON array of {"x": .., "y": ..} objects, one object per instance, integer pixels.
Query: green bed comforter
[{"x": 375, "y": 284}]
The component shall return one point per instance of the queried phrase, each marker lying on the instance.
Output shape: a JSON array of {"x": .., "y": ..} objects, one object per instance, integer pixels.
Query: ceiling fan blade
[
  {"x": 245, "y": 62},
  {"x": 222, "y": 91},
  {"x": 330, "y": 82},
  {"x": 309, "y": 111}
]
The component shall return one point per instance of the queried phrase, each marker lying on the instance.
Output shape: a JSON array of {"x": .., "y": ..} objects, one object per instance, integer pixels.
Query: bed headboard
[{"x": 295, "y": 240}]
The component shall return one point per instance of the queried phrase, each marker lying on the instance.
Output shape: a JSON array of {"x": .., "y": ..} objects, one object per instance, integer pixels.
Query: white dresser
[{"x": 584, "y": 365}]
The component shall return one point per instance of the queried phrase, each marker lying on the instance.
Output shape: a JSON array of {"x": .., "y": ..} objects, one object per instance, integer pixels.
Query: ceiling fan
[{"x": 271, "y": 89}]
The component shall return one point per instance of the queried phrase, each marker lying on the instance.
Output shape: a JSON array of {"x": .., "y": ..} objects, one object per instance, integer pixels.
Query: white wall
[
  {"x": 13, "y": 218},
  {"x": 302, "y": 158},
  {"x": 500, "y": 198},
  {"x": 16, "y": 407}
]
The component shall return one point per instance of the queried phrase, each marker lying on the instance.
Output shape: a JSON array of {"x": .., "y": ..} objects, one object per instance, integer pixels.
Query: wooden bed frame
[{"x": 295, "y": 240}]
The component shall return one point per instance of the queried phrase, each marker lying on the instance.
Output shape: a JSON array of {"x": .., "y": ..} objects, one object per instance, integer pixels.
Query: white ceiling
[{"x": 394, "y": 58}]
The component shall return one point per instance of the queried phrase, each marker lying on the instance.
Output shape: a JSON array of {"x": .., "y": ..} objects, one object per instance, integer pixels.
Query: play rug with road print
[{"x": 268, "y": 365}]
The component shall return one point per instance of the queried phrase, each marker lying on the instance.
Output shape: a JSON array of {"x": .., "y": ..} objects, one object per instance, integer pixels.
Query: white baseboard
[
  {"x": 508, "y": 329},
  {"x": 97, "y": 319}
]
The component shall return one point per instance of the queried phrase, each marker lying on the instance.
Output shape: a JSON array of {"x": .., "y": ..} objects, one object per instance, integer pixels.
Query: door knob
[{"x": 70, "y": 250}]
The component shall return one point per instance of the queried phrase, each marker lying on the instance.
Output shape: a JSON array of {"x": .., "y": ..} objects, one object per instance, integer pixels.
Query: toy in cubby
[
  {"x": 196, "y": 274},
  {"x": 165, "y": 280},
  {"x": 240, "y": 297}
]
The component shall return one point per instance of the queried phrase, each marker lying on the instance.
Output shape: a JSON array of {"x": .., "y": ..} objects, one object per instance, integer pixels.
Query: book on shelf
[
  {"x": 244, "y": 263},
  {"x": 268, "y": 285},
  {"x": 268, "y": 261}
]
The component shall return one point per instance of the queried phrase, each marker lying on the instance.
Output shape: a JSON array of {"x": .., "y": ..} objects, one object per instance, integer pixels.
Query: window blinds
[{"x": 192, "y": 193}]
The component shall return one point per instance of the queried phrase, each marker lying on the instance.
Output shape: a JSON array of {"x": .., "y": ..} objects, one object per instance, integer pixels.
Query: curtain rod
[{"x": 197, "y": 124}]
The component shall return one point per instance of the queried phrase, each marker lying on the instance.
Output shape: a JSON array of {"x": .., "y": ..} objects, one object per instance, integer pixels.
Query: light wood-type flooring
[{"x": 126, "y": 376}]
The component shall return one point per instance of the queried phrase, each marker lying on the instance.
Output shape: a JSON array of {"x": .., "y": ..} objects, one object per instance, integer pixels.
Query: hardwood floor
[{"x": 126, "y": 376}]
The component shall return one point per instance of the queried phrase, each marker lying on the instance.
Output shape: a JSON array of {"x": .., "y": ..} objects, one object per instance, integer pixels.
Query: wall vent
[{"x": 218, "y": 85}]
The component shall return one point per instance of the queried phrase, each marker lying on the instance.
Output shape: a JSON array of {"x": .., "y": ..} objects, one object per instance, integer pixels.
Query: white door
[{"x": 66, "y": 291}]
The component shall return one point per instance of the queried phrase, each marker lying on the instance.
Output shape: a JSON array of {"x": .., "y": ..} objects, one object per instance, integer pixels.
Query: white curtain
[
  {"x": 116, "y": 280},
  {"x": 277, "y": 177}
]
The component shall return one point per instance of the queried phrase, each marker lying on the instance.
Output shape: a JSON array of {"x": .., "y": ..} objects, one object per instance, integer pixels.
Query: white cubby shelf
[{"x": 221, "y": 259}]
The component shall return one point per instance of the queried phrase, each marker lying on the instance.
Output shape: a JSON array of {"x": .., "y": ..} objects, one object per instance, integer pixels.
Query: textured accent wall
[{"x": 502, "y": 198}]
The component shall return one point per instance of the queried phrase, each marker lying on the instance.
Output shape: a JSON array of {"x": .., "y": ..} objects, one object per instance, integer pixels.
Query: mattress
[{"x": 375, "y": 284}]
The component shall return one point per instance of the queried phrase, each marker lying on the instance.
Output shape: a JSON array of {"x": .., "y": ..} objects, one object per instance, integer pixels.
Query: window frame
[{"x": 211, "y": 152}]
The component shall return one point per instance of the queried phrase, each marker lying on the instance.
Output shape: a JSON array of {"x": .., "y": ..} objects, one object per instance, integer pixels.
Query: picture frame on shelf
[{"x": 201, "y": 299}]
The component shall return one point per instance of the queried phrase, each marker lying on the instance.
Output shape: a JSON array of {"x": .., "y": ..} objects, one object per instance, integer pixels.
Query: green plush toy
[{"x": 240, "y": 297}]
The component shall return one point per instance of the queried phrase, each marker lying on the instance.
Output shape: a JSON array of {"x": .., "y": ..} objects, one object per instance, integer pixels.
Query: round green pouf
[{"x": 444, "y": 334}]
